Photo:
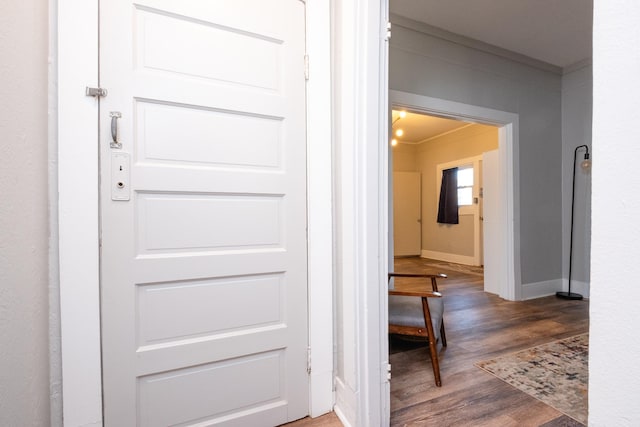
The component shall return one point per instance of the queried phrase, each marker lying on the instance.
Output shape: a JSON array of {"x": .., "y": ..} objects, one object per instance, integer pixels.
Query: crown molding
[
  {"x": 440, "y": 135},
  {"x": 587, "y": 62},
  {"x": 410, "y": 24}
]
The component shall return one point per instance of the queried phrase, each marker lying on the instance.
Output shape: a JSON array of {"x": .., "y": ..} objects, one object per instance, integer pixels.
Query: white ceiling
[{"x": 554, "y": 31}]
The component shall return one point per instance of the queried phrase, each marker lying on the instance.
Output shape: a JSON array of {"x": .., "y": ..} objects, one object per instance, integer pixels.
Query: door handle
[{"x": 115, "y": 115}]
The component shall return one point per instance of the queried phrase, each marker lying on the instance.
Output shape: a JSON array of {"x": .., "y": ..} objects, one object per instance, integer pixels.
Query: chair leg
[
  {"x": 433, "y": 352},
  {"x": 443, "y": 335}
]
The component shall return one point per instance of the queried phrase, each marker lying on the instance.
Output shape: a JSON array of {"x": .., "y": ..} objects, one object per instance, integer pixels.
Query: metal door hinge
[
  {"x": 309, "y": 360},
  {"x": 388, "y": 371},
  {"x": 96, "y": 92},
  {"x": 306, "y": 67},
  {"x": 388, "y": 34}
]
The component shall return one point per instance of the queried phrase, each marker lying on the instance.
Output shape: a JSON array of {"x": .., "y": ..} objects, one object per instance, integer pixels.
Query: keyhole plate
[{"x": 120, "y": 176}]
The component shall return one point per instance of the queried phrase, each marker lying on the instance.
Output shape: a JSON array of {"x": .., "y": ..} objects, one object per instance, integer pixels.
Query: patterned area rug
[{"x": 555, "y": 373}]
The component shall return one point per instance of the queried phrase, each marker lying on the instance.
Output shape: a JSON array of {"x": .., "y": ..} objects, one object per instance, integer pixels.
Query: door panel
[
  {"x": 407, "y": 227},
  {"x": 194, "y": 393},
  {"x": 200, "y": 306},
  {"x": 203, "y": 269},
  {"x": 493, "y": 240},
  {"x": 252, "y": 141}
]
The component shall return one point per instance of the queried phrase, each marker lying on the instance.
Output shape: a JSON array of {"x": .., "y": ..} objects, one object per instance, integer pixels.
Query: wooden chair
[{"x": 419, "y": 314}]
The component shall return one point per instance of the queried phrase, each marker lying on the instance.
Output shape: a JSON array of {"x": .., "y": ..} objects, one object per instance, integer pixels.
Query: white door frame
[
  {"x": 508, "y": 149},
  {"x": 77, "y": 55}
]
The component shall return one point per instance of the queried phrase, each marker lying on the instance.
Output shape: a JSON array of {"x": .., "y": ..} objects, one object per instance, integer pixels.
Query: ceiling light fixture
[
  {"x": 399, "y": 132},
  {"x": 401, "y": 115}
]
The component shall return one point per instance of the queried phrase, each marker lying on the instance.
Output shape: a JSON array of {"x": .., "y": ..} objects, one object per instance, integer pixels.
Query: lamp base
[{"x": 568, "y": 295}]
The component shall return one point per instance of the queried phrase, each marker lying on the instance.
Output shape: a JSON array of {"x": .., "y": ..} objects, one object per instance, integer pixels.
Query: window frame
[{"x": 472, "y": 186}]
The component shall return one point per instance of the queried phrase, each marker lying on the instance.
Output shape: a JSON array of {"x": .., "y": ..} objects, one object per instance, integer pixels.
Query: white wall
[
  {"x": 614, "y": 389},
  {"x": 24, "y": 233},
  {"x": 576, "y": 131},
  {"x": 432, "y": 66}
]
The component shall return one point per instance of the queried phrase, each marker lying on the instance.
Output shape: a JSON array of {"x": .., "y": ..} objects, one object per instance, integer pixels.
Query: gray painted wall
[
  {"x": 24, "y": 228},
  {"x": 431, "y": 66}
]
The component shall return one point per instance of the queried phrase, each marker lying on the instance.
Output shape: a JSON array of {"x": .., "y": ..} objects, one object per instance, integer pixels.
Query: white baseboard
[
  {"x": 550, "y": 287},
  {"x": 341, "y": 417},
  {"x": 443, "y": 256},
  {"x": 345, "y": 407},
  {"x": 541, "y": 289}
]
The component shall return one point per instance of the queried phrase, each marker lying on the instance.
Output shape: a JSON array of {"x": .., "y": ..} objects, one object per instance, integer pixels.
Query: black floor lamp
[{"x": 585, "y": 164}]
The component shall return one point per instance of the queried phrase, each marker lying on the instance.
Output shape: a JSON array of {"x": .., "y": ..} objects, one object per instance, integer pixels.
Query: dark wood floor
[{"x": 479, "y": 326}]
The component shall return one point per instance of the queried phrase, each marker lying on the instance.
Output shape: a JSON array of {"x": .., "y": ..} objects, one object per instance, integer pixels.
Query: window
[
  {"x": 467, "y": 178},
  {"x": 465, "y": 185}
]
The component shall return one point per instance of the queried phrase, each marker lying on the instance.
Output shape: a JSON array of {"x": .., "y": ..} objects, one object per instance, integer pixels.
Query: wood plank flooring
[{"x": 479, "y": 326}]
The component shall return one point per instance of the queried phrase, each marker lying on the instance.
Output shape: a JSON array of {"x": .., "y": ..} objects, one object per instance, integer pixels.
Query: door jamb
[
  {"x": 77, "y": 23},
  {"x": 508, "y": 149},
  {"x": 77, "y": 50}
]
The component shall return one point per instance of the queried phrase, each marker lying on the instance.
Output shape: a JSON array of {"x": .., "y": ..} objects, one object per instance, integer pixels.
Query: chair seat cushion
[{"x": 407, "y": 311}]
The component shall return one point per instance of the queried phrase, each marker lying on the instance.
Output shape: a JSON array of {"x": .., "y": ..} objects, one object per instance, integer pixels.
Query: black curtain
[{"x": 448, "y": 206}]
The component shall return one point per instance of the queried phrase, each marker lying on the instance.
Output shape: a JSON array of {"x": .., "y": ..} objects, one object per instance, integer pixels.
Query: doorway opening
[
  {"x": 423, "y": 148},
  {"x": 430, "y": 156}
]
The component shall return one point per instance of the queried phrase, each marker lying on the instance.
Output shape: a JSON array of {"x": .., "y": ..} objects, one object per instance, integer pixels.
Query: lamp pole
[{"x": 586, "y": 163}]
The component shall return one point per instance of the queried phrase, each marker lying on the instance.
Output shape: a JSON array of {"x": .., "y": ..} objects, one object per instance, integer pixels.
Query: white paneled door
[
  {"x": 407, "y": 221},
  {"x": 203, "y": 212},
  {"x": 492, "y": 221}
]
